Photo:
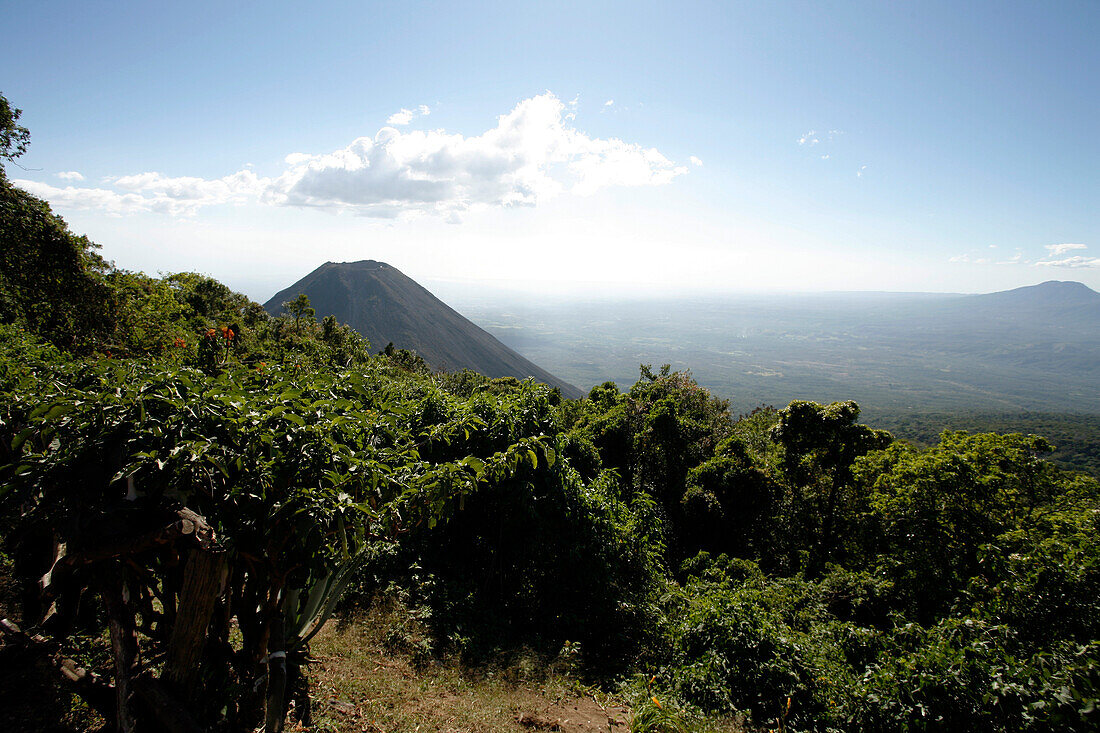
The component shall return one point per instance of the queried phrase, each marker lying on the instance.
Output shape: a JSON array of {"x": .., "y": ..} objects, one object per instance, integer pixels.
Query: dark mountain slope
[{"x": 386, "y": 306}]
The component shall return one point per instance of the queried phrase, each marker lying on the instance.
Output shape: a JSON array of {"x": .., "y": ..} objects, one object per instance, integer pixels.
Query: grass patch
[{"x": 372, "y": 675}]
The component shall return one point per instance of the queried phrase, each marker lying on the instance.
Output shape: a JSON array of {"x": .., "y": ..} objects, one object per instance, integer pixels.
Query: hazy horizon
[{"x": 464, "y": 290}]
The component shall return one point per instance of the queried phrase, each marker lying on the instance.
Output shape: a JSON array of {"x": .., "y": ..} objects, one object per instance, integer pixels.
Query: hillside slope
[{"x": 385, "y": 305}]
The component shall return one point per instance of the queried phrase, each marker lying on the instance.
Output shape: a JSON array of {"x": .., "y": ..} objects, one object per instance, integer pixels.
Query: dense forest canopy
[{"x": 201, "y": 483}]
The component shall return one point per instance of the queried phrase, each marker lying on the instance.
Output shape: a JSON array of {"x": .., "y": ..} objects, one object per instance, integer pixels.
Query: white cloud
[
  {"x": 609, "y": 102},
  {"x": 859, "y": 173},
  {"x": 1060, "y": 249},
  {"x": 405, "y": 116},
  {"x": 695, "y": 161},
  {"x": 296, "y": 158},
  {"x": 813, "y": 137},
  {"x": 100, "y": 199},
  {"x": 825, "y": 157},
  {"x": 155, "y": 192},
  {"x": 967, "y": 259},
  {"x": 70, "y": 176},
  {"x": 1072, "y": 262},
  {"x": 1053, "y": 250},
  {"x": 972, "y": 260},
  {"x": 190, "y": 193},
  {"x": 532, "y": 154}
]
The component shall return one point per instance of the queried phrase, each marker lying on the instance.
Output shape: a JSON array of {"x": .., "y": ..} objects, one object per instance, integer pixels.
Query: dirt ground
[
  {"x": 577, "y": 715},
  {"x": 571, "y": 715},
  {"x": 360, "y": 687}
]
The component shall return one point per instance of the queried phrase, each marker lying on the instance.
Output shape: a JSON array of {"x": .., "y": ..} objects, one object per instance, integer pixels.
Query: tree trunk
[
  {"x": 255, "y": 627},
  {"x": 276, "y": 672},
  {"x": 203, "y": 580},
  {"x": 124, "y": 647}
]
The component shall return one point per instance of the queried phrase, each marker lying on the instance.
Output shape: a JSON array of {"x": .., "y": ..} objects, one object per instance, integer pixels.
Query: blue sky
[{"x": 664, "y": 146}]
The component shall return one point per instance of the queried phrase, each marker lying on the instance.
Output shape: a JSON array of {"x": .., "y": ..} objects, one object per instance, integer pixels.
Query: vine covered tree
[
  {"x": 51, "y": 280},
  {"x": 300, "y": 309},
  {"x": 14, "y": 138}
]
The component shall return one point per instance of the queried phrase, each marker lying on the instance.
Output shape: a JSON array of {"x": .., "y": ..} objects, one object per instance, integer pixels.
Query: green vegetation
[
  {"x": 1074, "y": 437},
  {"x": 192, "y": 487}
]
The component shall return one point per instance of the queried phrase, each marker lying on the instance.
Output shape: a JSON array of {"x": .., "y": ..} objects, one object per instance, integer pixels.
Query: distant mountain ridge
[
  {"x": 385, "y": 305},
  {"x": 1052, "y": 292},
  {"x": 1071, "y": 304},
  {"x": 1054, "y": 309}
]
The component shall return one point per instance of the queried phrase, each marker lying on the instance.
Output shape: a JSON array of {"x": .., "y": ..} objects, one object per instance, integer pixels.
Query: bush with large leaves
[{"x": 294, "y": 471}]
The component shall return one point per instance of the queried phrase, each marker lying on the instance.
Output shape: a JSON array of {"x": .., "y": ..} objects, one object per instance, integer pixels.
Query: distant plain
[
  {"x": 1029, "y": 349},
  {"x": 915, "y": 362}
]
